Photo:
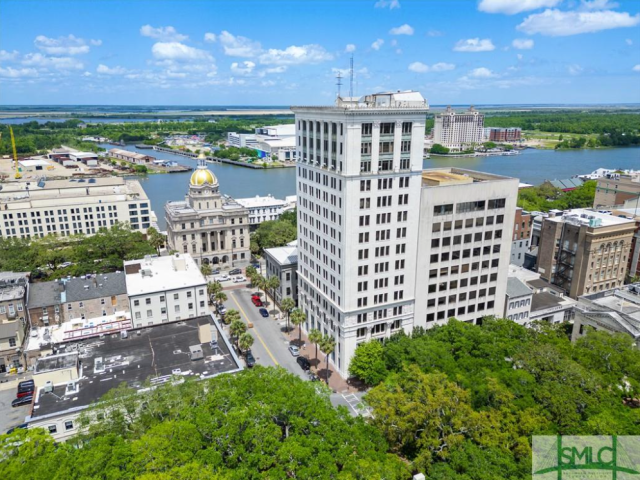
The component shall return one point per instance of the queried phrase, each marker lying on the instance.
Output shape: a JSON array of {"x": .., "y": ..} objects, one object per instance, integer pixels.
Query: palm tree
[
  {"x": 298, "y": 317},
  {"x": 230, "y": 316},
  {"x": 245, "y": 341},
  {"x": 327, "y": 345},
  {"x": 273, "y": 283},
  {"x": 155, "y": 238},
  {"x": 315, "y": 337},
  {"x": 287, "y": 305},
  {"x": 213, "y": 287},
  {"x": 237, "y": 328},
  {"x": 250, "y": 271},
  {"x": 220, "y": 297},
  {"x": 205, "y": 269}
]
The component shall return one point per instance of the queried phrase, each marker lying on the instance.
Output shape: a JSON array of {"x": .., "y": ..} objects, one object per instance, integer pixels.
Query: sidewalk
[{"x": 336, "y": 382}]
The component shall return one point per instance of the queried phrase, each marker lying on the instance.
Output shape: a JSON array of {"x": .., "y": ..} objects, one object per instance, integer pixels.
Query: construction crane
[{"x": 15, "y": 154}]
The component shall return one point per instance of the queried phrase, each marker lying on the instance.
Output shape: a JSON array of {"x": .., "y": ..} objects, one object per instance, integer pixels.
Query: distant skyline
[{"x": 281, "y": 53}]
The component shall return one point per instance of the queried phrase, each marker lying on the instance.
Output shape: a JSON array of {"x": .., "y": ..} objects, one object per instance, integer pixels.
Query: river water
[{"x": 531, "y": 166}]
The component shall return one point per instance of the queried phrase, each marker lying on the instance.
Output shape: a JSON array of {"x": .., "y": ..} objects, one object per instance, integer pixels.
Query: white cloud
[
  {"x": 42, "y": 61},
  {"x": 165, "y": 34},
  {"x": 597, "y": 5},
  {"x": 434, "y": 33},
  {"x": 628, "y": 41},
  {"x": 420, "y": 67},
  {"x": 394, "y": 42},
  {"x": 267, "y": 71},
  {"x": 175, "y": 51},
  {"x": 519, "y": 56},
  {"x": 442, "y": 67},
  {"x": 474, "y": 45},
  {"x": 8, "y": 56},
  {"x": 636, "y": 68},
  {"x": 104, "y": 70},
  {"x": 405, "y": 29},
  {"x": 377, "y": 44},
  {"x": 69, "y": 45},
  {"x": 209, "y": 37},
  {"x": 482, "y": 72},
  {"x": 575, "y": 69},
  {"x": 295, "y": 55},
  {"x": 391, "y": 4},
  {"x": 10, "y": 72},
  {"x": 237, "y": 46},
  {"x": 511, "y": 7},
  {"x": 556, "y": 23},
  {"x": 522, "y": 43},
  {"x": 244, "y": 68},
  {"x": 95, "y": 43},
  {"x": 350, "y": 48}
]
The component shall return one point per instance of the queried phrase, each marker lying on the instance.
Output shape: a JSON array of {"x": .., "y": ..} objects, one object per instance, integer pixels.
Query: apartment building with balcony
[{"x": 458, "y": 131}]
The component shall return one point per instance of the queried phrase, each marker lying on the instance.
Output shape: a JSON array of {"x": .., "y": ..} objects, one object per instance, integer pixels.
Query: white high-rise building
[
  {"x": 458, "y": 131},
  {"x": 358, "y": 184},
  {"x": 383, "y": 246}
]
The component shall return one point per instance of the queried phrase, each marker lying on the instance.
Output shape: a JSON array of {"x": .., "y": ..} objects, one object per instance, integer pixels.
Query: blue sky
[{"x": 278, "y": 53}]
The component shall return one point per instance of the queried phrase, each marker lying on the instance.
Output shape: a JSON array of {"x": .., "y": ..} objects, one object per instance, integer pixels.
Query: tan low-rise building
[
  {"x": 616, "y": 189},
  {"x": 584, "y": 251},
  {"x": 213, "y": 228}
]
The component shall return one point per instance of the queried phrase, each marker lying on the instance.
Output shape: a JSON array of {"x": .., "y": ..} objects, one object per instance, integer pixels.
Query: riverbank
[{"x": 212, "y": 159}]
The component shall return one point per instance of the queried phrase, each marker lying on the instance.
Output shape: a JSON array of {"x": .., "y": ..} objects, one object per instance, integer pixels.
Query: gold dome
[{"x": 202, "y": 176}]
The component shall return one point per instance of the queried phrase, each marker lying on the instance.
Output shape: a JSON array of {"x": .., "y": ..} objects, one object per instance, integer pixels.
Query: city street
[{"x": 270, "y": 347}]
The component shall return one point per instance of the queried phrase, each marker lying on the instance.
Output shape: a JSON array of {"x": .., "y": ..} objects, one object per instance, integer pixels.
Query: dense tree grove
[
  {"x": 99, "y": 253},
  {"x": 263, "y": 423},
  {"x": 462, "y": 401},
  {"x": 546, "y": 197},
  {"x": 275, "y": 233},
  {"x": 33, "y": 137}
]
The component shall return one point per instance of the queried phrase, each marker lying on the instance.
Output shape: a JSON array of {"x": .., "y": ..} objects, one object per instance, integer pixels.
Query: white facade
[
  {"x": 241, "y": 140},
  {"x": 262, "y": 209},
  {"x": 358, "y": 184},
  {"x": 466, "y": 220},
  {"x": 68, "y": 207},
  {"x": 458, "y": 131},
  {"x": 165, "y": 289}
]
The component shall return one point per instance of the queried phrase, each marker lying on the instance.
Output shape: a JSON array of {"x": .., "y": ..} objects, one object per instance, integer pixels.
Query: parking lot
[{"x": 10, "y": 416}]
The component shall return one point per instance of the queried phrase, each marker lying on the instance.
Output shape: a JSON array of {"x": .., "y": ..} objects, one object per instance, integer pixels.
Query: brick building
[{"x": 521, "y": 241}]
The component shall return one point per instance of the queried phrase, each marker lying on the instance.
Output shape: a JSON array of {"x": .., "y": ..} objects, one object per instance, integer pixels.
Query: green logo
[{"x": 581, "y": 457}]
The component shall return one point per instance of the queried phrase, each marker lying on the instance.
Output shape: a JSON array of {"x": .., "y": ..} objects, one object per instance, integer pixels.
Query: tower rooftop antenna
[
  {"x": 339, "y": 81},
  {"x": 351, "y": 77}
]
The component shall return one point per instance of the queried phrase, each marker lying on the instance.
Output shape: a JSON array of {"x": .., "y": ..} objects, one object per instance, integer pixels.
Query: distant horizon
[{"x": 489, "y": 52}]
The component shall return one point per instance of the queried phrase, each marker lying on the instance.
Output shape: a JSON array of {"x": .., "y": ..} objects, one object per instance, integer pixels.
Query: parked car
[
  {"x": 256, "y": 265},
  {"x": 295, "y": 351},
  {"x": 256, "y": 301},
  {"x": 222, "y": 309},
  {"x": 11, "y": 430},
  {"x": 223, "y": 278},
  {"x": 26, "y": 388},
  {"x": 239, "y": 279},
  {"x": 304, "y": 363},
  {"x": 65, "y": 265},
  {"x": 215, "y": 271},
  {"x": 235, "y": 271},
  {"x": 249, "y": 359},
  {"x": 18, "y": 402},
  {"x": 264, "y": 312}
]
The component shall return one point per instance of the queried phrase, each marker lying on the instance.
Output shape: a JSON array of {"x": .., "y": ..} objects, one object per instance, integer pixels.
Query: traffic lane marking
[{"x": 242, "y": 312}]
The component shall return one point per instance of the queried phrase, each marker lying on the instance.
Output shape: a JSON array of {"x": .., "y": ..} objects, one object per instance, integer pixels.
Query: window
[
  {"x": 147, "y": 301},
  {"x": 136, "y": 303},
  {"x": 443, "y": 209},
  {"x": 497, "y": 203},
  {"x": 387, "y": 128},
  {"x": 367, "y": 128},
  {"x": 12, "y": 342},
  {"x": 176, "y": 296},
  {"x": 53, "y": 429},
  {"x": 68, "y": 425},
  {"x": 470, "y": 206}
]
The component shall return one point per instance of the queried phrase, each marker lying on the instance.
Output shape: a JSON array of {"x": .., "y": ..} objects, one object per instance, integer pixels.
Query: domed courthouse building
[{"x": 213, "y": 229}]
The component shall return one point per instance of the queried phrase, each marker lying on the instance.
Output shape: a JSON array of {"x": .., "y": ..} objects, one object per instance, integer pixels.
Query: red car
[{"x": 256, "y": 301}]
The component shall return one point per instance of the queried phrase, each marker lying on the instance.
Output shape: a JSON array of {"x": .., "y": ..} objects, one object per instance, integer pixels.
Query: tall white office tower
[{"x": 359, "y": 187}]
